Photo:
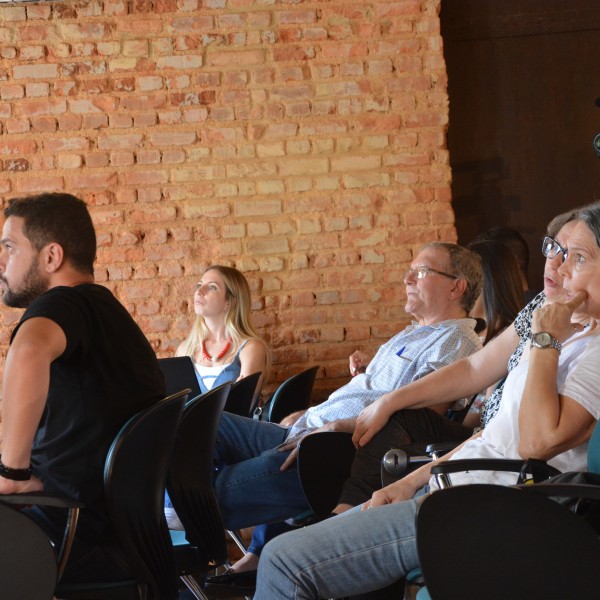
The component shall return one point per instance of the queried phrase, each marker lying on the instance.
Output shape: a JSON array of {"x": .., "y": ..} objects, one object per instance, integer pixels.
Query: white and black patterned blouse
[{"x": 523, "y": 328}]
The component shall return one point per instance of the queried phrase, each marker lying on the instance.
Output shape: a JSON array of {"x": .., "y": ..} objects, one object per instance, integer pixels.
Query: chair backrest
[
  {"x": 243, "y": 395},
  {"x": 324, "y": 463},
  {"x": 134, "y": 481},
  {"x": 292, "y": 395},
  {"x": 496, "y": 542},
  {"x": 190, "y": 478},
  {"x": 27, "y": 559},
  {"x": 179, "y": 374}
]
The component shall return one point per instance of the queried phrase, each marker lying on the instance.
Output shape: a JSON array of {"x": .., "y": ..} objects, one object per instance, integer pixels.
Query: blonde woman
[{"x": 223, "y": 344}]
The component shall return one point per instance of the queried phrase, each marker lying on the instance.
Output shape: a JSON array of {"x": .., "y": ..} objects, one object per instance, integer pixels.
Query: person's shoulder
[
  {"x": 466, "y": 324},
  {"x": 84, "y": 290},
  {"x": 252, "y": 343}
]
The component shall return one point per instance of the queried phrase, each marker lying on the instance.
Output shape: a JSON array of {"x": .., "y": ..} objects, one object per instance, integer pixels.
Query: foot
[
  {"x": 248, "y": 562},
  {"x": 245, "y": 581}
]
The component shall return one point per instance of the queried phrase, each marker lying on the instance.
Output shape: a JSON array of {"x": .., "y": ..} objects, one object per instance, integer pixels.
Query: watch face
[{"x": 542, "y": 338}]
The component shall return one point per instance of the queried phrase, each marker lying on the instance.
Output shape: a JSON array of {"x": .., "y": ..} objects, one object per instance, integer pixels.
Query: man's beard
[{"x": 34, "y": 285}]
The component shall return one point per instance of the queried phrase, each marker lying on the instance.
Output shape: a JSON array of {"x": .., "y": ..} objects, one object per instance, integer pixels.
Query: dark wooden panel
[
  {"x": 523, "y": 115},
  {"x": 486, "y": 19}
]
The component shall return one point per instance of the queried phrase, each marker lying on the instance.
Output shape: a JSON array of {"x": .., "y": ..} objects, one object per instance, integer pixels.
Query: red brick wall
[{"x": 302, "y": 142}]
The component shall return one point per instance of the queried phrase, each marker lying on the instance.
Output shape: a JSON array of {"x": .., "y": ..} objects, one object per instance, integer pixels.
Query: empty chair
[
  {"x": 292, "y": 395},
  {"x": 180, "y": 374},
  {"x": 324, "y": 463},
  {"x": 497, "y": 542},
  {"x": 243, "y": 395},
  {"x": 202, "y": 546}
]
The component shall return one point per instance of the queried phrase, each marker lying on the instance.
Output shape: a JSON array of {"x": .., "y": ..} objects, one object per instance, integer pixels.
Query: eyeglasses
[
  {"x": 421, "y": 271},
  {"x": 551, "y": 248}
]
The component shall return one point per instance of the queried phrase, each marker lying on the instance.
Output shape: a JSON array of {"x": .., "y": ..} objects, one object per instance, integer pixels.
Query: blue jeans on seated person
[
  {"x": 353, "y": 553},
  {"x": 249, "y": 483},
  {"x": 265, "y": 533}
]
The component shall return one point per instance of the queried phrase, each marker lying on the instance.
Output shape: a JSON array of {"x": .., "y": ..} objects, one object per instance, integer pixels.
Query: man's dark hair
[
  {"x": 510, "y": 238},
  {"x": 60, "y": 218}
]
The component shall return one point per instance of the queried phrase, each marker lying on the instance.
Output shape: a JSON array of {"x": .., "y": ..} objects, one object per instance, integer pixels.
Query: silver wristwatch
[{"x": 545, "y": 340}]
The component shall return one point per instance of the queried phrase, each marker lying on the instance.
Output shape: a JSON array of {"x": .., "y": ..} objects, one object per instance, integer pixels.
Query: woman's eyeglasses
[{"x": 551, "y": 248}]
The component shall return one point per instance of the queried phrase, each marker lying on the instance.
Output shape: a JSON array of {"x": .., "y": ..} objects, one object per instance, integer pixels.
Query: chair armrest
[
  {"x": 564, "y": 490},
  {"x": 398, "y": 461},
  {"x": 441, "y": 448},
  {"x": 40, "y": 499},
  {"x": 477, "y": 464}
]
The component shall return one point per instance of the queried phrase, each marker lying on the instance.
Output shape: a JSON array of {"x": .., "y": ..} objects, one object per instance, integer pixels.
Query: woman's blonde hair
[{"x": 237, "y": 318}]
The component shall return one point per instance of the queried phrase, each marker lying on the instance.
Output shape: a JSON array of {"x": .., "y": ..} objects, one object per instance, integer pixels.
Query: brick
[
  {"x": 201, "y": 173},
  {"x": 12, "y": 92},
  {"x": 17, "y": 125},
  {"x": 49, "y": 72},
  {"x": 146, "y": 177},
  {"x": 179, "y": 138},
  {"x": 36, "y": 184},
  {"x": 69, "y": 161},
  {"x": 94, "y": 181},
  {"x": 189, "y": 61},
  {"x": 366, "y": 180},
  {"x": 270, "y": 246},
  {"x": 11, "y": 148},
  {"x": 120, "y": 142},
  {"x": 37, "y": 90},
  {"x": 356, "y": 163},
  {"x": 43, "y": 107},
  {"x": 225, "y": 59},
  {"x": 303, "y": 166}
]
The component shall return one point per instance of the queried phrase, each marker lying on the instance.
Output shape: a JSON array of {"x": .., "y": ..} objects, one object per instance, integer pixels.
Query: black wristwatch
[{"x": 543, "y": 339}]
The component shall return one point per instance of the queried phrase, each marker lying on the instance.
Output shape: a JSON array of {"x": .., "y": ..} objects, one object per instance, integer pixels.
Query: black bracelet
[{"x": 14, "y": 474}]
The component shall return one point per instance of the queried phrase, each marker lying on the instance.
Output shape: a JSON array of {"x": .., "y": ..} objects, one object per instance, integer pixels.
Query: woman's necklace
[{"x": 219, "y": 356}]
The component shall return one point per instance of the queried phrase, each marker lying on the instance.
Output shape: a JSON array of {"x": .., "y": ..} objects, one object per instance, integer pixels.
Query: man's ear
[
  {"x": 459, "y": 288},
  {"x": 52, "y": 257}
]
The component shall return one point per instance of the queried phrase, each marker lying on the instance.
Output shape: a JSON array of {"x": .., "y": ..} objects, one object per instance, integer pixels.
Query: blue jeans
[
  {"x": 354, "y": 553},
  {"x": 249, "y": 484},
  {"x": 264, "y": 533}
]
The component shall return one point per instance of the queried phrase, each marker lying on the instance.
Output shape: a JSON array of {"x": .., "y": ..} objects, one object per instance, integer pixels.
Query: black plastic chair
[
  {"x": 292, "y": 395},
  {"x": 324, "y": 463},
  {"x": 134, "y": 481},
  {"x": 179, "y": 374},
  {"x": 243, "y": 395},
  {"x": 190, "y": 485},
  {"x": 504, "y": 543},
  {"x": 28, "y": 567}
]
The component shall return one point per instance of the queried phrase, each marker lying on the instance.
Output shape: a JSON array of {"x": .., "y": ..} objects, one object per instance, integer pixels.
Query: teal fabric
[
  {"x": 414, "y": 575},
  {"x": 594, "y": 451},
  {"x": 423, "y": 594}
]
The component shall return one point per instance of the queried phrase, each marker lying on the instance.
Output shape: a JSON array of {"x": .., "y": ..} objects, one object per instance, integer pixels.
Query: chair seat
[
  {"x": 117, "y": 590},
  {"x": 28, "y": 556},
  {"x": 187, "y": 556}
]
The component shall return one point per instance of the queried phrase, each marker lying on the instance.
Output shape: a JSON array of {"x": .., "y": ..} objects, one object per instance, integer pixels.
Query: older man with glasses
[
  {"x": 549, "y": 408},
  {"x": 256, "y": 480}
]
